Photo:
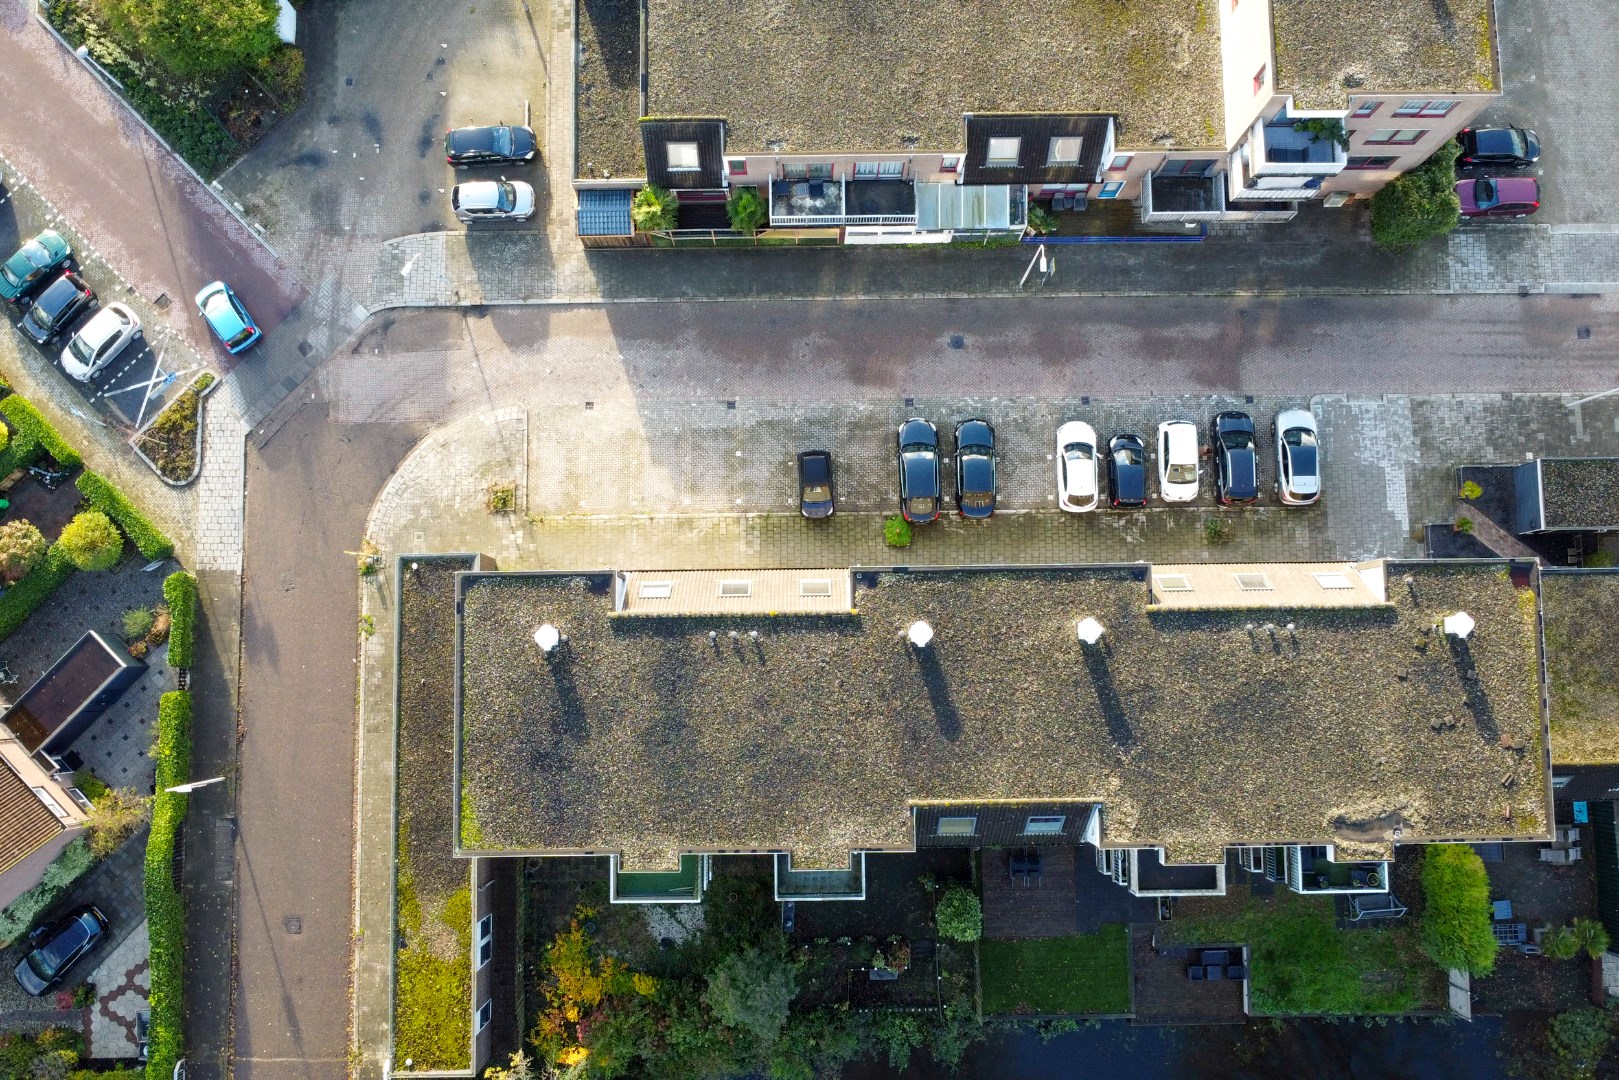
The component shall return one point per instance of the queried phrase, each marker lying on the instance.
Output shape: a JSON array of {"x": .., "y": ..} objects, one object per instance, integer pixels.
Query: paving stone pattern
[{"x": 123, "y": 983}]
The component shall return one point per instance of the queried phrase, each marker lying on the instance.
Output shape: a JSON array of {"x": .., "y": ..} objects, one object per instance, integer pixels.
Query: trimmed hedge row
[
  {"x": 23, "y": 598},
  {"x": 101, "y": 495},
  {"x": 31, "y": 425},
  {"x": 180, "y": 594},
  {"x": 165, "y": 908}
]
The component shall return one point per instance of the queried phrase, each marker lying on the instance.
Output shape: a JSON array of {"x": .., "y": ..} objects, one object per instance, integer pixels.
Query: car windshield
[
  {"x": 508, "y": 197},
  {"x": 1076, "y": 453},
  {"x": 35, "y": 253},
  {"x": 82, "y": 348},
  {"x": 977, "y": 499},
  {"x": 817, "y": 493},
  {"x": 1484, "y": 194},
  {"x": 1128, "y": 455},
  {"x": 1235, "y": 440},
  {"x": 503, "y": 141},
  {"x": 1181, "y": 474},
  {"x": 1520, "y": 145},
  {"x": 11, "y": 279},
  {"x": 920, "y": 507}
]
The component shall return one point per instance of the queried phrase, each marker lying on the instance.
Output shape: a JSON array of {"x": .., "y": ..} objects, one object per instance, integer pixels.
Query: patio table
[{"x": 1216, "y": 957}]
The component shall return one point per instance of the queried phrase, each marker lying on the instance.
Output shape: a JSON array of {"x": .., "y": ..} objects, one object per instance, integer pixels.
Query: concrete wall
[{"x": 1245, "y": 47}]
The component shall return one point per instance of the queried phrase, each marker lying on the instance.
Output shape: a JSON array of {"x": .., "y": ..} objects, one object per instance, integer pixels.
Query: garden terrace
[
  {"x": 647, "y": 737},
  {"x": 1325, "y": 51},
  {"x": 1581, "y": 610},
  {"x": 796, "y": 76}
]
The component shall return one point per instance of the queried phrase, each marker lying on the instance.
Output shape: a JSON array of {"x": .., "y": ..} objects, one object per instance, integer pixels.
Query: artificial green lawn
[{"x": 1086, "y": 973}]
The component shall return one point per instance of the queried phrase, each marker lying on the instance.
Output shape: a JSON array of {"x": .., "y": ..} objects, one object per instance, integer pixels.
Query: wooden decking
[
  {"x": 1164, "y": 995},
  {"x": 1048, "y": 908}
]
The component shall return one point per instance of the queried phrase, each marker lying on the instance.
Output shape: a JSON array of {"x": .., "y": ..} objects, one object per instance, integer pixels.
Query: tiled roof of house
[
  {"x": 1582, "y": 609},
  {"x": 644, "y": 736},
  {"x": 25, "y": 822},
  {"x": 1580, "y": 493},
  {"x": 803, "y": 76},
  {"x": 1326, "y": 51}
]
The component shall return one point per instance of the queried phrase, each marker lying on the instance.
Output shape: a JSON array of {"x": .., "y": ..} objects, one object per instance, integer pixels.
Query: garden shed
[{"x": 66, "y": 700}]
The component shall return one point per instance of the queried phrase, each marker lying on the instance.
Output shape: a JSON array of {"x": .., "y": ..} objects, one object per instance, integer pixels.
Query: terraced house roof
[
  {"x": 26, "y": 824},
  {"x": 804, "y": 76},
  {"x": 1326, "y": 51},
  {"x": 1195, "y": 728}
]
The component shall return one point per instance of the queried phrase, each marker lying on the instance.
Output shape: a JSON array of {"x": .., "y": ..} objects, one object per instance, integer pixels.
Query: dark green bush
[
  {"x": 29, "y": 424},
  {"x": 165, "y": 908},
  {"x": 180, "y": 594},
  {"x": 1418, "y": 204},
  {"x": 20, "y": 600},
  {"x": 101, "y": 495},
  {"x": 959, "y": 915},
  {"x": 1456, "y": 909}
]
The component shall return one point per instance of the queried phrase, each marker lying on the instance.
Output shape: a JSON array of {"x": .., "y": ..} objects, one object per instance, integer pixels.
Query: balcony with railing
[
  {"x": 809, "y": 203},
  {"x": 1312, "y": 871}
]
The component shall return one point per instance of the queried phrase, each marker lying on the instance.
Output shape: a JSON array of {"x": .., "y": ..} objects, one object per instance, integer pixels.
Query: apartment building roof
[
  {"x": 1582, "y": 608},
  {"x": 799, "y": 76},
  {"x": 649, "y": 736},
  {"x": 1580, "y": 493},
  {"x": 1327, "y": 51}
]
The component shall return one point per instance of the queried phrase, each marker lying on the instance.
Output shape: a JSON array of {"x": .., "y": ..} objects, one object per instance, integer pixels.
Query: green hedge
[
  {"x": 31, "y": 425},
  {"x": 64, "y": 870},
  {"x": 1456, "y": 929},
  {"x": 165, "y": 909},
  {"x": 180, "y": 594},
  {"x": 22, "y": 599},
  {"x": 101, "y": 495}
]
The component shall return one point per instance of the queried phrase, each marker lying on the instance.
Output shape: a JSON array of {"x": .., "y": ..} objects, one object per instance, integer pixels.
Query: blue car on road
[{"x": 226, "y": 317}]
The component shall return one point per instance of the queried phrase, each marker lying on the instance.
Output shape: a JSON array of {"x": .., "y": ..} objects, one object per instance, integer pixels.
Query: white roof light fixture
[
  {"x": 1090, "y": 631},
  {"x": 920, "y": 633},
  {"x": 1460, "y": 624},
  {"x": 547, "y": 637}
]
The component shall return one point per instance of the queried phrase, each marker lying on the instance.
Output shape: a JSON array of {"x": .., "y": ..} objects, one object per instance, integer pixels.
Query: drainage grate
[
  {"x": 957, "y": 341},
  {"x": 294, "y": 924},
  {"x": 910, "y": 403},
  {"x": 731, "y": 405},
  {"x": 349, "y": 81},
  {"x": 1248, "y": 399},
  {"x": 1583, "y": 333},
  {"x": 589, "y": 405},
  {"x": 304, "y": 348},
  {"x": 162, "y": 302}
]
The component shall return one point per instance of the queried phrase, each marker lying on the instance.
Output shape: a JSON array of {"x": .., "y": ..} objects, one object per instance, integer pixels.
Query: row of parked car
[
  {"x": 496, "y": 144},
  {"x": 41, "y": 281},
  {"x": 1082, "y": 459},
  {"x": 1500, "y": 149}
]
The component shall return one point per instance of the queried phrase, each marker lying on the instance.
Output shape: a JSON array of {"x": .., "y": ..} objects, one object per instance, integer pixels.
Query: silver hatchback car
[{"x": 493, "y": 200}]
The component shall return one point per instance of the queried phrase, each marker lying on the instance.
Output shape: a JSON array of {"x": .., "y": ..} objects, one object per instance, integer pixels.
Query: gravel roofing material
[
  {"x": 1582, "y": 610},
  {"x": 803, "y": 76},
  {"x": 1325, "y": 51},
  {"x": 607, "y": 94},
  {"x": 1580, "y": 493},
  {"x": 645, "y": 738}
]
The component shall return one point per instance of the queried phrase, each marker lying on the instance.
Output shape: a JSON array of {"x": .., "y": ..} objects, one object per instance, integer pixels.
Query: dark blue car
[
  {"x": 59, "y": 947},
  {"x": 918, "y": 471},
  {"x": 975, "y": 469}
]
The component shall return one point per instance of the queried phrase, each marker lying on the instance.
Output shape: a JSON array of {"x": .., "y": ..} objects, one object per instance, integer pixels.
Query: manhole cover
[
  {"x": 1583, "y": 333},
  {"x": 731, "y": 405},
  {"x": 294, "y": 924},
  {"x": 349, "y": 81},
  {"x": 957, "y": 341},
  {"x": 162, "y": 302},
  {"x": 304, "y": 348}
]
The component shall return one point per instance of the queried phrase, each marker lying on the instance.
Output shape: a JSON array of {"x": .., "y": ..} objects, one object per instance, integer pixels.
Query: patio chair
[
  {"x": 817, "y": 190},
  {"x": 1213, "y": 972},
  {"x": 1236, "y": 972},
  {"x": 1195, "y": 973},
  {"x": 1059, "y": 202}
]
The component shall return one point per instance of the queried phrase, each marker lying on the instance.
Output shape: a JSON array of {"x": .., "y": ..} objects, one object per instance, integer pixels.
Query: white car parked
[
  {"x": 1298, "y": 457},
  {"x": 492, "y": 200},
  {"x": 100, "y": 341},
  {"x": 1077, "y": 487},
  {"x": 1177, "y": 461}
]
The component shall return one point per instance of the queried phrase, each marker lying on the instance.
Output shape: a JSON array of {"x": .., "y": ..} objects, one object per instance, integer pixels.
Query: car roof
[
  {"x": 975, "y": 432},
  {"x": 1497, "y": 140},
  {"x": 1182, "y": 438},
  {"x": 103, "y": 326},
  {"x": 58, "y": 292},
  {"x": 978, "y": 472},
  {"x": 223, "y": 314},
  {"x": 1507, "y": 188},
  {"x": 1234, "y": 421},
  {"x": 917, "y": 430},
  {"x": 815, "y": 464},
  {"x": 479, "y": 193},
  {"x": 474, "y": 138}
]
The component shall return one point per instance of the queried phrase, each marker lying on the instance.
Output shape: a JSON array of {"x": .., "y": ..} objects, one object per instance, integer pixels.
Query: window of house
[
  {"x": 958, "y": 826},
  {"x": 1561, "y": 781},
  {"x": 815, "y": 587},
  {"x": 1366, "y": 108},
  {"x": 486, "y": 940},
  {"x": 486, "y": 1013},
  {"x": 950, "y": 163},
  {"x": 735, "y": 166},
  {"x": 1259, "y": 78},
  {"x": 1120, "y": 161},
  {"x": 682, "y": 156},
  {"x": 1044, "y": 824},
  {"x": 1111, "y": 189},
  {"x": 655, "y": 590},
  {"x": 1252, "y": 582},
  {"x": 51, "y": 804},
  {"x": 1370, "y": 163},
  {"x": 1064, "y": 150},
  {"x": 1172, "y": 582},
  {"x": 1334, "y": 581},
  {"x": 1425, "y": 107},
  {"x": 1003, "y": 151},
  {"x": 1186, "y": 167},
  {"x": 735, "y": 589},
  {"x": 1395, "y": 136}
]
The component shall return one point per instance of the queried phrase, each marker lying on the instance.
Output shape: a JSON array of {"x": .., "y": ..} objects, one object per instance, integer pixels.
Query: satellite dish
[
  {"x": 547, "y": 637},
  {"x": 920, "y": 633},
  {"x": 1090, "y": 631},
  {"x": 1460, "y": 625}
]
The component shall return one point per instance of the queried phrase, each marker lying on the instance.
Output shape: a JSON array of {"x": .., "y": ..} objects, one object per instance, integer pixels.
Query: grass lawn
[
  {"x": 1086, "y": 973},
  {"x": 1300, "y": 962}
]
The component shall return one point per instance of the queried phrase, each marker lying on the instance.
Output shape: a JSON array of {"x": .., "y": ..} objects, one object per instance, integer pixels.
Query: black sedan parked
[
  {"x": 975, "y": 469},
  {"x": 1236, "y": 458},
  {"x": 918, "y": 471},
  {"x": 500, "y": 144},
  {"x": 815, "y": 484},
  {"x": 1497, "y": 147},
  {"x": 55, "y": 309},
  {"x": 57, "y": 948},
  {"x": 1126, "y": 472}
]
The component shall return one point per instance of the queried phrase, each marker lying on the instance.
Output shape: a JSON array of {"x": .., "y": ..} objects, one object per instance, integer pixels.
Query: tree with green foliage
[
  {"x": 746, "y": 210},
  {"x": 1456, "y": 929},
  {"x": 92, "y": 542},
  {"x": 1579, "y": 1039},
  {"x": 752, "y": 990},
  {"x": 654, "y": 209},
  {"x": 196, "y": 37},
  {"x": 1418, "y": 204},
  {"x": 959, "y": 915},
  {"x": 22, "y": 547},
  {"x": 114, "y": 818}
]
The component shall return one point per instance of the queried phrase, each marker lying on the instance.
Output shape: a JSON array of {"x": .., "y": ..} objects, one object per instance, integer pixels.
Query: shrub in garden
[
  {"x": 654, "y": 209},
  {"x": 114, "y": 819},
  {"x": 22, "y": 548},
  {"x": 20, "y": 601},
  {"x": 1579, "y": 1040},
  {"x": 752, "y": 990},
  {"x": 1456, "y": 909},
  {"x": 33, "y": 426},
  {"x": 5, "y": 436},
  {"x": 63, "y": 871},
  {"x": 165, "y": 909},
  {"x": 1418, "y": 204},
  {"x": 1471, "y": 490},
  {"x": 283, "y": 74},
  {"x": 195, "y": 37},
  {"x": 138, "y": 623},
  {"x": 959, "y": 916},
  {"x": 102, "y": 496},
  {"x": 1590, "y": 937},
  {"x": 897, "y": 532},
  {"x": 746, "y": 210},
  {"x": 180, "y": 594},
  {"x": 91, "y": 541}
]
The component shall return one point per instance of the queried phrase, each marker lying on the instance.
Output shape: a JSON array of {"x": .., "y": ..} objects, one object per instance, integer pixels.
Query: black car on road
[
  {"x": 918, "y": 471},
  {"x": 1126, "y": 472},
  {"x": 815, "y": 484},
  {"x": 1236, "y": 458},
  {"x": 975, "y": 469},
  {"x": 55, "y": 309},
  {"x": 58, "y": 947},
  {"x": 499, "y": 144},
  {"x": 1497, "y": 147}
]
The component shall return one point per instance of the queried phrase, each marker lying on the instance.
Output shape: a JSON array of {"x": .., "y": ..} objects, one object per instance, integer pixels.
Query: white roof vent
[
  {"x": 919, "y": 634},
  {"x": 547, "y": 637},
  {"x": 1090, "y": 631},
  {"x": 1460, "y": 625},
  {"x": 815, "y": 587}
]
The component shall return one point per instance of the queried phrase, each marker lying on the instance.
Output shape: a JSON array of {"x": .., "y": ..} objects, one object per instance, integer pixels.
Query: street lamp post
[{"x": 186, "y": 789}]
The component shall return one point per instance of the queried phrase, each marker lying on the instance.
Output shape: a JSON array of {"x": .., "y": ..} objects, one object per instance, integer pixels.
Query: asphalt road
[{"x": 308, "y": 492}]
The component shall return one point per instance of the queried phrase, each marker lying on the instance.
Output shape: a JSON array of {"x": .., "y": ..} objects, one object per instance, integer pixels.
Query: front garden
[{"x": 1087, "y": 974}]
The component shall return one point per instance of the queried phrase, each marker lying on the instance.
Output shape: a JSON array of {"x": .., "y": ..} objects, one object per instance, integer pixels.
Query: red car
[{"x": 1499, "y": 196}]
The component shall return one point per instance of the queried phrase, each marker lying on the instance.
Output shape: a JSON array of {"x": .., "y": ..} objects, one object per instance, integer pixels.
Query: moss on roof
[
  {"x": 607, "y": 92},
  {"x": 1582, "y": 610},
  {"x": 804, "y": 76},
  {"x": 644, "y": 737},
  {"x": 1326, "y": 51},
  {"x": 1580, "y": 493}
]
